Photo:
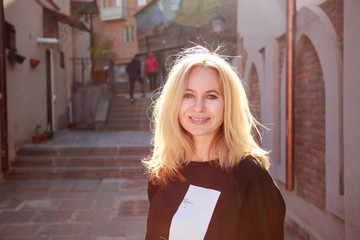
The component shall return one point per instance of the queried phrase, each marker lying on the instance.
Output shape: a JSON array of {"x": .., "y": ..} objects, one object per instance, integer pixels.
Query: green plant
[
  {"x": 37, "y": 131},
  {"x": 49, "y": 132},
  {"x": 101, "y": 50}
]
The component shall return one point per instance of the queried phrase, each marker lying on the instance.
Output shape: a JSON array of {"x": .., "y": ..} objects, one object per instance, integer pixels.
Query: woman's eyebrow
[
  {"x": 213, "y": 91},
  {"x": 208, "y": 91}
]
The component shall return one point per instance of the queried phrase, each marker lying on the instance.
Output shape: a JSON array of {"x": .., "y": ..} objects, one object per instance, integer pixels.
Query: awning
[
  {"x": 84, "y": 7},
  {"x": 71, "y": 21}
]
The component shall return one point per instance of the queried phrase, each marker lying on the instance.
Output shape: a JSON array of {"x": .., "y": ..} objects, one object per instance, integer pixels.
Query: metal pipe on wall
[
  {"x": 290, "y": 75},
  {"x": 3, "y": 96}
]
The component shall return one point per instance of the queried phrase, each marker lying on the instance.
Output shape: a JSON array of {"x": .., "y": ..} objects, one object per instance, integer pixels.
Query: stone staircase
[
  {"x": 123, "y": 115},
  {"x": 78, "y": 162},
  {"x": 123, "y": 87},
  {"x": 88, "y": 157}
]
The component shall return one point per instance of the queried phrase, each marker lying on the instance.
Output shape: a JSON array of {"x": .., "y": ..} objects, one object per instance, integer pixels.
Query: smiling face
[{"x": 201, "y": 110}]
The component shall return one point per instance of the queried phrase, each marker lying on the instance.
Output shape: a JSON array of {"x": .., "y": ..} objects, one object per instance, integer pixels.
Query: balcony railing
[{"x": 83, "y": 73}]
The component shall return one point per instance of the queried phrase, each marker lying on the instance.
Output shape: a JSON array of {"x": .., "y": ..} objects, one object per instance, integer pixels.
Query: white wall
[
  {"x": 351, "y": 118},
  {"x": 260, "y": 21},
  {"x": 265, "y": 20},
  {"x": 26, "y": 87}
]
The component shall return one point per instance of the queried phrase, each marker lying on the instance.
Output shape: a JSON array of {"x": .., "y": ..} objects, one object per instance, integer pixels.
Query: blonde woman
[{"x": 208, "y": 177}]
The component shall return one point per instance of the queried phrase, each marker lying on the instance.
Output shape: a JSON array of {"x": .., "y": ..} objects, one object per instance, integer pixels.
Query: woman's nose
[{"x": 199, "y": 104}]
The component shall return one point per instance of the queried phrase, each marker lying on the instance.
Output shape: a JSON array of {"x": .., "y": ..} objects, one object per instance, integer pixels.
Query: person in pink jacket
[{"x": 151, "y": 66}]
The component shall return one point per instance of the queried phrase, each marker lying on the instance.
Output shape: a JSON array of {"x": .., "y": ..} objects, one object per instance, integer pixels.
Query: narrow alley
[
  {"x": 69, "y": 206},
  {"x": 82, "y": 184}
]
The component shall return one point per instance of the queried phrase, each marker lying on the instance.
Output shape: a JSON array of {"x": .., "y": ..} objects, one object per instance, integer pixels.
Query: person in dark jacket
[
  {"x": 208, "y": 177},
  {"x": 133, "y": 69}
]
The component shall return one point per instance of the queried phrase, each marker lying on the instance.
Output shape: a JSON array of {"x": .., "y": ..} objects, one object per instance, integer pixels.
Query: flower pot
[
  {"x": 44, "y": 137},
  {"x": 71, "y": 126},
  {"x": 36, "y": 139},
  {"x": 50, "y": 134},
  {"x": 34, "y": 62}
]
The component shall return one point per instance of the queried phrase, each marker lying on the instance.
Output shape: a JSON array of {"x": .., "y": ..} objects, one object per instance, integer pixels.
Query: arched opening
[{"x": 309, "y": 113}]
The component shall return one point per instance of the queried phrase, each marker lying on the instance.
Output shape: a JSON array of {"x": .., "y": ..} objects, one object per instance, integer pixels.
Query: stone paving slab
[{"x": 73, "y": 209}]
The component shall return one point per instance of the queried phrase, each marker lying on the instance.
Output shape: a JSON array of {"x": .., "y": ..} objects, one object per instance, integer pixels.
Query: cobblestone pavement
[
  {"x": 73, "y": 209},
  {"x": 77, "y": 209},
  {"x": 108, "y": 209}
]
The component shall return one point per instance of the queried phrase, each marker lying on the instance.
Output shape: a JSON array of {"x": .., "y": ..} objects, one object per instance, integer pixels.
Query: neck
[{"x": 202, "y": 150}]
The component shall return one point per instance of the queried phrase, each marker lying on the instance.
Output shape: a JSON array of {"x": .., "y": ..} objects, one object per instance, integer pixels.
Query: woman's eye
[
  {"x": 211, "y": 96},
  {"x": 188, "y": 95}
]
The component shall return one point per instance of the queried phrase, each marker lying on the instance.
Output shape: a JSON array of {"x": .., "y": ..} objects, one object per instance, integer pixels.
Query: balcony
[{"x": 114, "y": 11}]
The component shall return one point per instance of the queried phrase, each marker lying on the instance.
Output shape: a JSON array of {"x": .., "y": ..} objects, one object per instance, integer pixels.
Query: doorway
[{"x": 49, "y": 90}]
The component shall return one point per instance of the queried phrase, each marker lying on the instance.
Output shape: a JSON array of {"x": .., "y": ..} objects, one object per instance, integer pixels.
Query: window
[
  {"x": 10, "y": 36},
  {"x": 129, "y": 34},
  {"x": 141, "y": 2},
  {"x": 111, "y": 3}
]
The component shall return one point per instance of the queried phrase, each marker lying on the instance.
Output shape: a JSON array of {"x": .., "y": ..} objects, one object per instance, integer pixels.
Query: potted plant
[
  {"x": 36, "y": 138},
  {"x": 44, "y": 136},
  {"x": 50, "y": 134}
]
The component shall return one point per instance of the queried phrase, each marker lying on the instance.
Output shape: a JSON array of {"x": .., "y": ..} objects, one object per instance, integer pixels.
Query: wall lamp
[{"x": 14, "y": 57}]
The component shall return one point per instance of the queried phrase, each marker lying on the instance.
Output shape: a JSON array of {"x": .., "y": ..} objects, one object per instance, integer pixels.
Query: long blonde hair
[{"x": 173, "y": 146}]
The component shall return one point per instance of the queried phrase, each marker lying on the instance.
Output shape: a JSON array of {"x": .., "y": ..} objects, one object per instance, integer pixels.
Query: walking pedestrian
[
  {"x": 208, "y": 178},
  {"x": 133, "y": 69},
  {"x": 151, "y": 67}
]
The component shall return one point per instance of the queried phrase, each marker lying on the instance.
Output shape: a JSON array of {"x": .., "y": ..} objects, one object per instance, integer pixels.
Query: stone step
[
  {"x": 132, "y": 117},
  {"x": 131, "y": 121},
  {"x": 82, "y": 151},
  {"x": 123, "y": 115},
  {"x": 34, "y": 162},
  {"x": 128, "y": 113},
  {"x": 129, "y": 109},
  {"x": 77, "y": 161},
  {"x": 125, "y": 127},
  {"x": 125, "y": 101},
  {"x": 124, "y": 87},
  {"x": 130, "y": 172},
  {"x": 128, "y": 117}
]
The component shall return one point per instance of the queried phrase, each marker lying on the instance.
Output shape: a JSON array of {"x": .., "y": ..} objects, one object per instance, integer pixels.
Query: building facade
[
  {"x": 165, "y": 27},
  {"x": 325, "y": 202},
  {"x": 39, "y": 86},
  {"x": 116, "y": 25}
]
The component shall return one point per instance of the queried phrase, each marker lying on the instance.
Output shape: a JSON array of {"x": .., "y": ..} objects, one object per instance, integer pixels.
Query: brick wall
[
  {"x": 335, "y": 11},
  {"x": 254, "y": 93},
  {"x": 185, "y": 31},
  {"x": 241, "y": 51},
  {"x": 282, "y": 48},
  {"x": 309, "y": 126},
  {"x": 255, "y": 98},
  {"x": 114, "y": 30}
]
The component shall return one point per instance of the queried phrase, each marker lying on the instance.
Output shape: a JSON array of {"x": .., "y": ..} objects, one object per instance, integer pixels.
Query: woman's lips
[{"x": 199, "y": 120}]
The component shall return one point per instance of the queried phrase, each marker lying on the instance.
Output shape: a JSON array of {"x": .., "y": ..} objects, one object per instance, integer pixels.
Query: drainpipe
[
  {"x": 3, "y": 97},
  {"x": 91, "y": 43},
  {"x": 290, "y": 73}
]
